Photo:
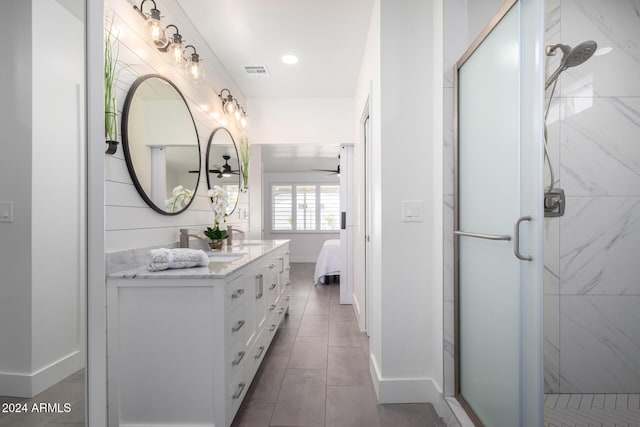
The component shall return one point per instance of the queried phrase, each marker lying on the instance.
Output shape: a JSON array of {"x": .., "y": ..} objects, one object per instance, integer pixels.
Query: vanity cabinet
[{"x": 183, "y": 349}]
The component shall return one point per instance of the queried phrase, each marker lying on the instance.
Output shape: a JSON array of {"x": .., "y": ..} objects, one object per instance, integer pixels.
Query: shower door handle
[
  {"x": 516, "y": 239},
  {"x": 482, "y": 236}
]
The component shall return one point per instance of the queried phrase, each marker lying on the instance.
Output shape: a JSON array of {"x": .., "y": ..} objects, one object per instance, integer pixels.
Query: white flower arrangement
[
  {"x": 219, "y": 205},
  {"x": 180, "y": 198}
]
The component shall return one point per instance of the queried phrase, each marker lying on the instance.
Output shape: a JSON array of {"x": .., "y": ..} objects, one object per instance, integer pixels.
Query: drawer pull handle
[
  {"x": 260, "y": 350},
  {"x": 238, "y": 392},
  {"x": 288, "y": 267},
  {"x": 280, "y": 258},
  {"x": 288, "y": 253},
  {"x": 288, "y": 283},
  {"x": 272, "y": 286},
  {"x": 272, "y": 307},
  {"x": 273, "y": 328},
  {"x": 238, "y": 359},
  {"x": 272, "y": 266},
  {"x": 238, "y": 326},
  {"x": 237, "y": 293},
  {"x": 287, "y": 298},
  {"x": 281, "y": 310}
]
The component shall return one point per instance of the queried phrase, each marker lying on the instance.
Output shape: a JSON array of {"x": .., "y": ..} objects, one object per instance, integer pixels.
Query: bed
[{"x": 328, "y": 263}]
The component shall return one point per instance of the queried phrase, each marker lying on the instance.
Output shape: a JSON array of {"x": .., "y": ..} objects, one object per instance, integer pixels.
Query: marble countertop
[{"x": 249, "y": 250}]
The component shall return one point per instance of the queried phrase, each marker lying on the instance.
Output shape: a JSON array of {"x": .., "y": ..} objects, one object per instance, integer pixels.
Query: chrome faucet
[
  {"x": 184, "y": 237},
  {"x": 230, "y": 231}
]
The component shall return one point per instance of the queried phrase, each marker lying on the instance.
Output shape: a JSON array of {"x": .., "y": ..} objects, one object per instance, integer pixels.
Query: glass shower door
[{"x": 498, "y": 223}]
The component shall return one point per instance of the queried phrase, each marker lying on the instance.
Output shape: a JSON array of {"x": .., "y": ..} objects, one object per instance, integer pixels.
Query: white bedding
[{"x": 328, "y": 263}]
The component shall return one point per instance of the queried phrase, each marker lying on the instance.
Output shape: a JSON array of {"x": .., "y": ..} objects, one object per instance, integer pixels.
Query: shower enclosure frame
[{"x": 531, "y": 338}]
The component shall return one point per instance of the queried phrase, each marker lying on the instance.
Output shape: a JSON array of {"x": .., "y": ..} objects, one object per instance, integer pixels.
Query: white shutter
[
  {"x": 329, "y": 207},
  {"x": 282, "y": 213},
  {"x": 305, "y": 207}
]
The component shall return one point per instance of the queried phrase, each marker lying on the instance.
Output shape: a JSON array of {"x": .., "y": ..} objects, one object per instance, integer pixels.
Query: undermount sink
[{"x": 225, "y": 257}]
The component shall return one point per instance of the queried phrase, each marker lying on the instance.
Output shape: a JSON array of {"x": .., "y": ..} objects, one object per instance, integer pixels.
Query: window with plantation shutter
[
  {"x": 329, "y": 207},
  {"x": 282, "y": 217},
  {"x": 305, "y": 207}
]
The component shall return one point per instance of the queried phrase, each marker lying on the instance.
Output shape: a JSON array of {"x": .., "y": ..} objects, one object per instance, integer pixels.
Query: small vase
[{"x": 216, "y": 244}]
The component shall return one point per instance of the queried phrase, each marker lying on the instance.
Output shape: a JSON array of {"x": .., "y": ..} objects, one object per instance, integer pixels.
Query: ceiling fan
[
  {"x": 225, "y": 171},
  {"x": 335, "y": 171}
]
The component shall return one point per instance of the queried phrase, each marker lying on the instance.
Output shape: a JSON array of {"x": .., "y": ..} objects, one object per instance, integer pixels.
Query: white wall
[
  {"x": 305, "y": 247},
  {"x": 403, "y": 318},
  {"x": 15, "y": 185},
  {"x": 301, "y": 121},
  {"x": 42, "y": 286},
  {"x": 58, "y": 204},
  {"x": 130, "y": 223}
]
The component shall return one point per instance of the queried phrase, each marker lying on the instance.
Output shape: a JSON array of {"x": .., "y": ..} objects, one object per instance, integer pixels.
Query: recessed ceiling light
[{"x": 290, "y": 59}]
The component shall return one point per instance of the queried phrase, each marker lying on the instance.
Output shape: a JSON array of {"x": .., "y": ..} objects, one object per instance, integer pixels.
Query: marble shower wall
[{"x": 592, "y": 273}]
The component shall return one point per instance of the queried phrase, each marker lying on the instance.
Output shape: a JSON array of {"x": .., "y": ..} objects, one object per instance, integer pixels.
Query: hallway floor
[{"x": 316, "y": 372}]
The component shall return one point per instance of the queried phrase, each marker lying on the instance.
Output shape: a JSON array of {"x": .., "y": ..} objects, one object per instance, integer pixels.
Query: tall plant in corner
[
  {"x": 244, "y": 158},
  {"x": 110, "y": 106}
]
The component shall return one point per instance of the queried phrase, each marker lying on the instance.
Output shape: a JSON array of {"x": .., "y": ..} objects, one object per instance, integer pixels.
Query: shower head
[{"x": 571, "y": 57}]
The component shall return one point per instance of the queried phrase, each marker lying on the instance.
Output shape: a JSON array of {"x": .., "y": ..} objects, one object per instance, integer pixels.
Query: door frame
[
  {"x": 365, "y": 199},
  {"x": 531, "y": 338}
]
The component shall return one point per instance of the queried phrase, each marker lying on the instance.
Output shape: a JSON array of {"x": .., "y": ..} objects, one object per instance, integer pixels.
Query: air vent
[{"x": 256, "y": 71}]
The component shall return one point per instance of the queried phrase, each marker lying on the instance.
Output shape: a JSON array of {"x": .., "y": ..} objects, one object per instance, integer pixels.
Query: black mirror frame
[
  {"x": 127, "y": 152},
  {"x": 206, "y": 161}
]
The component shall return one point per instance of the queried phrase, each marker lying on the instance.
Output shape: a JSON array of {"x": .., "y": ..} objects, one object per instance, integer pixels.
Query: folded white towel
[{"x": 163, "y": 258}]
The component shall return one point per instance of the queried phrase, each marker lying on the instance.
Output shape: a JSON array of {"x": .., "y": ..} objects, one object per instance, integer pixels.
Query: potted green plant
[
  {"x": 110, "y": 106},
  {"x": 244, "y": 158},
  {"x": 219, "y": 203}
]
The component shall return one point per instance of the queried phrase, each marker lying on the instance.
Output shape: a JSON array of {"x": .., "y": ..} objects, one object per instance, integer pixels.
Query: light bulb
[
  {"x": 175, "y": 53},
  {"x": 193, "y": 70},
  {"x": 154, "y": 28},
  {"x": 237, "y": 114},
  {"x": 243, "y": 122},
  {"x": 229, "y": 107}
]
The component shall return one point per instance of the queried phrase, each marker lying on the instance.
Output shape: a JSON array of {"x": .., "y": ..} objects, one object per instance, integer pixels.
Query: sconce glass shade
[
  {"x": 229, "y": 107},
  {"x": 176, "y": 47},
  {"x": 193, "y": 70},
  {"x": 155, "y": 30},
  {"x": 243, "y": 122}
]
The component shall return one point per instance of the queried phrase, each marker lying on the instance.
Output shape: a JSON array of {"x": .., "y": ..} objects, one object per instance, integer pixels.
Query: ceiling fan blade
[
  {"x": 215, "y": 171},
  {"x": 324, "y": 170}
]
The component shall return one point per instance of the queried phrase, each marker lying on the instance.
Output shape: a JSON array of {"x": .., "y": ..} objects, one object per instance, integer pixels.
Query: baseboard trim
[
  {"x": 29, "y": 385},
  {"x": 402, "y": 390}
]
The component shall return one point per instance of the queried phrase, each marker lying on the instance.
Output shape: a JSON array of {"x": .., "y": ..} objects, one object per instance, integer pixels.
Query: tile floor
[
  {"x": 69, "y": 390},
  {"x": 619, "y": 410},
  {"x": 316, "y": 373}
]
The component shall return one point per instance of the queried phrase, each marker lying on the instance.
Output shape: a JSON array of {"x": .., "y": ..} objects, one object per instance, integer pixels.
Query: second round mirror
[{"x": 222, "y": 165}]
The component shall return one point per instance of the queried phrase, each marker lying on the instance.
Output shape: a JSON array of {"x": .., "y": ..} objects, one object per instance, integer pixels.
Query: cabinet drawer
[
  {"x": 235, "y": 292},
  {"x": 236, "y": 390},
  {"x": 236, "y": 326},
  {"x": 236, "y": 360}
]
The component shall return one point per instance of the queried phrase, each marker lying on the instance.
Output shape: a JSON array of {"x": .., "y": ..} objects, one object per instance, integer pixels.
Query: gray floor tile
[
  {"x": 344, "y": 334},
  {"x": 309, "y": 353},
  {"x": 408, "y": 415},
  {"x": 291, "y": 320},
  {"x": 314, "y": 326},
  {"x": 349, "y": 406},
  {"x": 301, "y": 401},
  {"x": 268, "y": 380},
  {"x": 254, "y": 414},
  {"x": 342, "y": 312},
  {"x": 345, "y": 367},
  {"x": 282, "y": 343},
  {"x": 317, "y": 306}
]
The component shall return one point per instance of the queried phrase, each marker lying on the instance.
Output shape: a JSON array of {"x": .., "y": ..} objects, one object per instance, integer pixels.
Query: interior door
[{"x": 498, "y": 220}]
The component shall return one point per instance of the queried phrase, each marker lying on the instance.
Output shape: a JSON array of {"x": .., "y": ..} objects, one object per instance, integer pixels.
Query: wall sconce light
[
  {"x": 243, "y": 118},
  {"x": 175, "y": 47},
  {"x": 152, "y": 22},
  {"x": 228, "y": 105},
  {"x": 193, "y": 70}
]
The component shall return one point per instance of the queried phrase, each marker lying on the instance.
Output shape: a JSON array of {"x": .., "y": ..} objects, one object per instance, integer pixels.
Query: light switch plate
[
  {"x": 412, "y": 211},
  {"x": 6, "y": 211}
]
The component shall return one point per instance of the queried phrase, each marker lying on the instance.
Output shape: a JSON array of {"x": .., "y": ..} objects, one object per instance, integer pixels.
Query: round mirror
[
  {"x": 223, "y": 167},
  {"x": 160, "y": 144}
]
